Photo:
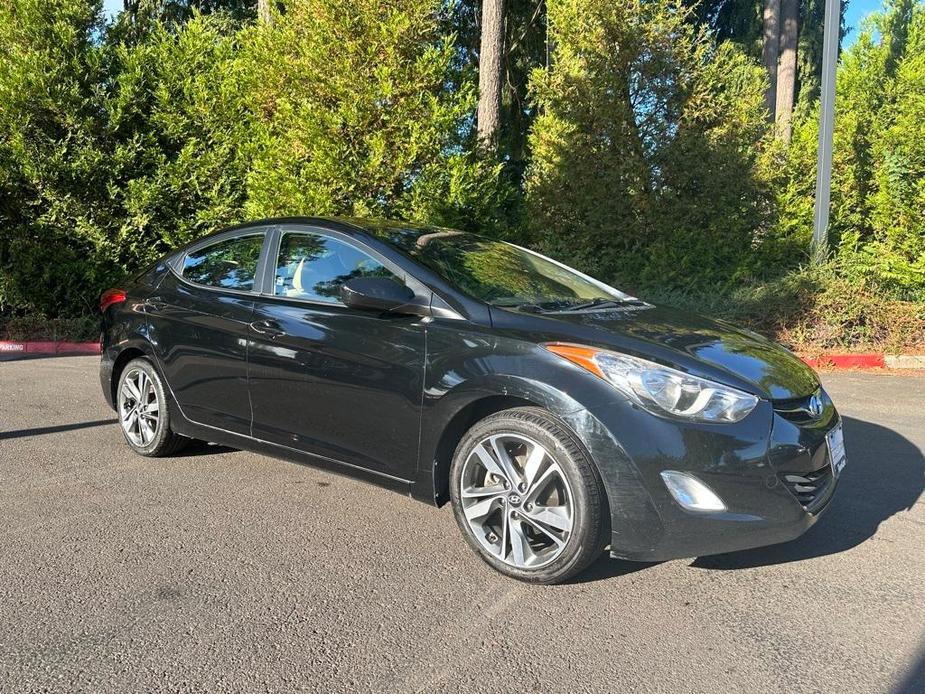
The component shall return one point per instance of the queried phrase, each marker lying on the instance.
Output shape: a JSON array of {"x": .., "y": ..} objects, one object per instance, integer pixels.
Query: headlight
[{"x": 659, "y": 389}]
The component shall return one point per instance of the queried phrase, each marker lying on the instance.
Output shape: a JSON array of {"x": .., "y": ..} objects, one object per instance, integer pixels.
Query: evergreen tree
[
  {"x": 359, "y": 113},
  {"x": 526, "y": 48},
  {"x": 648, "y": 159},
  {"x": 491, "y": 72},
  {"x": 785, "y": 87},
  {"x": 181, "y": 127},
  {"x": 644, "y": 155},
  {"x": 879, "y": 157},
  {"x": 745, "y": 22},
  {"x": 58, "y": 223}
]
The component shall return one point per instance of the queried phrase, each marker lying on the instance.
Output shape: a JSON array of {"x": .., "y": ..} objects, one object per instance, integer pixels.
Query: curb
[
  {"x": 866, "y": 361},
  {"x": 905, "y": 361},
  {"x": 48, "y": 348}
]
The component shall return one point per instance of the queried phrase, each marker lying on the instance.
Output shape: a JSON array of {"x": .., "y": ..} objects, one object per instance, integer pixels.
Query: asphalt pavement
[{"x": 222, "y": 570}]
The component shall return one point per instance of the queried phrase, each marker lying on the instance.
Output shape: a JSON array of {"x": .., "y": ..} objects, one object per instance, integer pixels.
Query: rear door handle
[{"x": 270, "y": 328}]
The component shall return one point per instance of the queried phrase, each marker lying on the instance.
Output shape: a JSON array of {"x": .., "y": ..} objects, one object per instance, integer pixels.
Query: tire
[
  {"x": 137, "y": 416},
  {"x": 538, "y": 516}
]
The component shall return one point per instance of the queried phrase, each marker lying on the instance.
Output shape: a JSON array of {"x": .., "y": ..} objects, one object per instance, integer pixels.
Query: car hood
[{"x": 692, "y": 343}]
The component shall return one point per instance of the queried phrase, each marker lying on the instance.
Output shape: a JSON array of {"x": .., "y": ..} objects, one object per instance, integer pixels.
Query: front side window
[
  {"x": 312, "y": 266},
  {"x": 229, "y": 264}
]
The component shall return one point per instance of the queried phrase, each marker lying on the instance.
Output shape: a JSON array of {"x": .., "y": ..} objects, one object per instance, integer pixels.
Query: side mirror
[{"x": 375, "y": 293}]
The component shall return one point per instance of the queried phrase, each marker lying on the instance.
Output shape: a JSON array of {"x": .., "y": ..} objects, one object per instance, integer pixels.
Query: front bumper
[{"x": 771, "y": 470}]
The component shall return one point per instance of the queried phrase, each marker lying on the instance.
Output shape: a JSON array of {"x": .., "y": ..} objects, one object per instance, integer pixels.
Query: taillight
[{"x": 110, "y": 297}]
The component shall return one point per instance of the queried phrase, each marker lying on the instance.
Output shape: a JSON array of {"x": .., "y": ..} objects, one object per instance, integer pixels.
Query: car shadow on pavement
[
  {"x": 605, "y": 567},
  {"x": 885, "y": 475},
  {"x": 54, "y": 429},
  {"x": 196, "y": 448},
  {"x": 914, "y": 681}
]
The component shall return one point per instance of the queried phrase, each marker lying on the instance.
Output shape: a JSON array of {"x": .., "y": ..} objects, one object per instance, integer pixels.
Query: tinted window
[
  {"x": 230, "y": 264},
  {"x": 312, "y": 266}
]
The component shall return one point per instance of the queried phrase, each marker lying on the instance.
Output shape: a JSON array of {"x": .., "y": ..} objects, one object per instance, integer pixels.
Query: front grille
[
  {"x": 812, "y": 489},
  {"x": 797, "y": 410}
]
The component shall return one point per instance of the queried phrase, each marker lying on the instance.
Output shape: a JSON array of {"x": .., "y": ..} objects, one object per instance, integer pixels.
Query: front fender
[
  {"x": 448, "y": 418},
  {"x": 447, "y": 415},
  {"x": 473, "y": 374}
]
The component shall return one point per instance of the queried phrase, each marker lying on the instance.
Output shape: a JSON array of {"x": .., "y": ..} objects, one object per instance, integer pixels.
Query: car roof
[{"x": 385, "y": 229}]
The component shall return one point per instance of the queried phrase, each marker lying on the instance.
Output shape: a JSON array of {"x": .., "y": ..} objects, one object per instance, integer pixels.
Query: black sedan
[{"x": 557, "y": 414}]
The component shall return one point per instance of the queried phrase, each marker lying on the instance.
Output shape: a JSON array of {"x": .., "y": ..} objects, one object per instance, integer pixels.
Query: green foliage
[
  {"x": 812, "y": 309},
  {"x": 58, "y": 224},
  {"x": 731, "y": 20},
  {"x": 140, "y": 18},
  {"x": 741, "y": 21},
  {"x": 645, "y": 156},
  {"x": 640, "y": 151},
  {"x": 356, "y": 116},
  {"x": 32, "y": 327},
  {"x": 878, "y": 175},
  {"x": 180, "y": 127},
  {"x": 120, "y": 142}
]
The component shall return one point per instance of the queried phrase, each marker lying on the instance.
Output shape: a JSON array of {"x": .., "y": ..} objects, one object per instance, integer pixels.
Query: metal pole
[{"x": 830, "y": 40}]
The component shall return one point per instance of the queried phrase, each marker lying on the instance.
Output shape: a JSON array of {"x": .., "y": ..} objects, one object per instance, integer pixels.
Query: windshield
[{"x": 500, "y": 273}]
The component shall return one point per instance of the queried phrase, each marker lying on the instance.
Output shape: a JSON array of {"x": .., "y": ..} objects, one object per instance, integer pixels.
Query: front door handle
[
  {"x": 269, "y": 328},
  {"x": 154, "y": 304}
]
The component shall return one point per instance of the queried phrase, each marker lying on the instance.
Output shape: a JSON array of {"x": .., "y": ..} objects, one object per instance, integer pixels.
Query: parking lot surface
[{"x": 222, "y": 570}]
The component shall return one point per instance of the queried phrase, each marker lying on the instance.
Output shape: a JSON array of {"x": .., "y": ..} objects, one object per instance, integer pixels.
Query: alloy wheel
[
  {"x": 516, "y": 500},
  {"x": 139, "y": 409}
]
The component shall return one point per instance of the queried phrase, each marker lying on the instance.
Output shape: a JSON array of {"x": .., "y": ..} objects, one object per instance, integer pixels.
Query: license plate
[{"x": 836, "y": 442}]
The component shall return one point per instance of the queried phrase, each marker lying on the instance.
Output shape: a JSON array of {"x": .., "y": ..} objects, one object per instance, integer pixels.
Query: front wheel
[
  {"x": 143, "y": 413},
  {"x": 526, "y": 496}
]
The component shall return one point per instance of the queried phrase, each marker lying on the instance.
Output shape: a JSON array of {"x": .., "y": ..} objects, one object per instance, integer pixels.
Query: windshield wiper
[
  {"x": 563, "y": 306},
  {"x": 599, "y": 302},
  {"x": 531, "y": 306}
]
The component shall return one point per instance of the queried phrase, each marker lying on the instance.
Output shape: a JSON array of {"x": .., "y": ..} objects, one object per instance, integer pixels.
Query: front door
[{"x": 342, "y": 383}]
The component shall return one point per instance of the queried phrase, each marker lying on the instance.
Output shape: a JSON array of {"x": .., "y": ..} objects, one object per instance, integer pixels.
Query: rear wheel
[
  {"x": 526, "y": 496},
  {"x": 143, "y": 413}
]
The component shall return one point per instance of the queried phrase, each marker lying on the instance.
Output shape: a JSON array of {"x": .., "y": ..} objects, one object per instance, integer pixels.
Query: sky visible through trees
[{"x": 857, "y": 11}]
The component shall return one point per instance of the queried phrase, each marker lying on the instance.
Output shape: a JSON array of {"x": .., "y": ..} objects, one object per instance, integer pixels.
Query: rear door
[
  {"x": 342, "y": 383},
  {"x": 199, "y": 323}
]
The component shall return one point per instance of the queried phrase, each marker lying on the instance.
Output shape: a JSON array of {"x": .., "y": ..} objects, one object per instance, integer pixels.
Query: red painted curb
[
  {"x": 40, "y": 348},
  {"x": 847, "y": 361},
  {"x": 11, "y": 347},
  {"x": 78, "y": 348}
]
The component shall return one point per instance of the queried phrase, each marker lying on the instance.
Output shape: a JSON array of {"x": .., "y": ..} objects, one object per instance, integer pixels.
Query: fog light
[{"x": 691, "y": 493}]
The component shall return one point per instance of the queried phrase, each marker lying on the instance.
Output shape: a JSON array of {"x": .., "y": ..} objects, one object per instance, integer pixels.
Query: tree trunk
[
  {"x": 490, "y": 72},
  {"x": 130, "y": 7},
  {"x": 770, "y": 52},
  {"x": 264, "y": 14},
  {"x": 787, "y": 66}
]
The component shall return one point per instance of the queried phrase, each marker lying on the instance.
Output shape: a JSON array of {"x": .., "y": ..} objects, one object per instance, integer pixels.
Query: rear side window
[
  {"x": 230, "y": 264},
  {"x": 312, "y": 266}
]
